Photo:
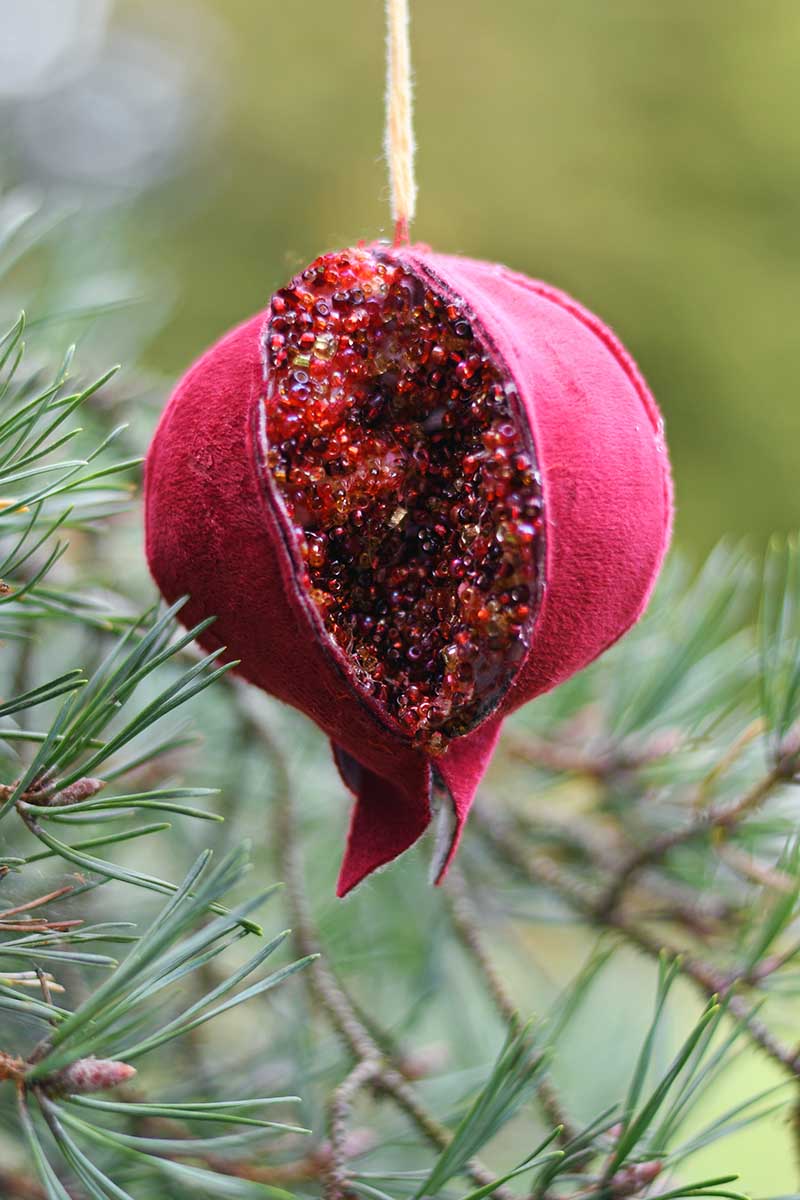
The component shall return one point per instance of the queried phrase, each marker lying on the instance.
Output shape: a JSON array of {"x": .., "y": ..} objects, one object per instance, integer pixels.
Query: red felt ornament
[
  {"x": 450, "y": 374},
  {"x": 416, "y": 492}
]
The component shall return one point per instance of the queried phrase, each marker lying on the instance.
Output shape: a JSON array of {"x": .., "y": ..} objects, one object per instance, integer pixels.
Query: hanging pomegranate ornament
[{"x": 416, "y": 492}]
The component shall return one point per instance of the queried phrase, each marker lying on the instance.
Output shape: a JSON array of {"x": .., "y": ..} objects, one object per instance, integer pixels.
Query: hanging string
[{"x": 399, "y": 138}]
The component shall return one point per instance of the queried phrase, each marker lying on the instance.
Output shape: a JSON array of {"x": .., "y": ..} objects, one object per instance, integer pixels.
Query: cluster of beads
[{"x": 405, "y": 465}]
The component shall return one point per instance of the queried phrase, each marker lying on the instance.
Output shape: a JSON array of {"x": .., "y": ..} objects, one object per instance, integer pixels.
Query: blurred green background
[{"x": 644, "y": 156}]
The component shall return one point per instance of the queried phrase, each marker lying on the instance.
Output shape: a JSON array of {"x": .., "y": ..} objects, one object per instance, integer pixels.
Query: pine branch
[
  {"x": 590, "y": 903},
  {"x": 720, "y": 817},
  {"x": 467, "y": 929},
  {"x": 561, "y": 757},
  {"x": 91, "y": 1049},
  {"x": 340, "y": 1105},
  {"x": 633, "y": 736},
  {"x": 327, "y": 991}
]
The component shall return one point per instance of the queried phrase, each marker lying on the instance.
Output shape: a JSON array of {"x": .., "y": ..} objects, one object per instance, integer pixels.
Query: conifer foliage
[{"x": 161, "y": 1035}]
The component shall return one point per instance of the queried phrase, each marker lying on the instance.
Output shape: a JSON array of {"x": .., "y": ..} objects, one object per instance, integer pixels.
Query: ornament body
[{"x": 224, "y": 525}]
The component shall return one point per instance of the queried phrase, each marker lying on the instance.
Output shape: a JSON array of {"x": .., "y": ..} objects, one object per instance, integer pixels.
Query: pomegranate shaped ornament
[{"x": 417, "y": 491}]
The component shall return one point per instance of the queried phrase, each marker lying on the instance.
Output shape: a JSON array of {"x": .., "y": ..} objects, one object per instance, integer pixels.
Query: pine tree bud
[
  {"x": 636, "y": 1178},
  {"x": 91, "y": 1075}
]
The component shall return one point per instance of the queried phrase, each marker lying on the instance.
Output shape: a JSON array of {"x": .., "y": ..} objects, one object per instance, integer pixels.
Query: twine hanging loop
[{"x": 399, "y": 137}]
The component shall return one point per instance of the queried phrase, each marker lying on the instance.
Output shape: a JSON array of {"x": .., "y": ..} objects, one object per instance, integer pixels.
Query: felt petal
[
  {"x": 389, "y": 815},
  {"x": 461, "y": 770}
]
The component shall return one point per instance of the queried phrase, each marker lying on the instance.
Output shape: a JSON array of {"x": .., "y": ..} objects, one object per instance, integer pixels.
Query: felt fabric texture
[{"x": 214, "y": 531}]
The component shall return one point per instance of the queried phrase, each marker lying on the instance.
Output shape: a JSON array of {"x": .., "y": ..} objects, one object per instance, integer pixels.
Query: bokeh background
[{"x": 643, "y": 156}]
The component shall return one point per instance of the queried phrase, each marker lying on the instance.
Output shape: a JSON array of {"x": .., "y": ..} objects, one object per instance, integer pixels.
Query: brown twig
[
  {"x": 600, "y": 850},
  {"x": 562, "y": 758},
  {"x": 37, "y": 903},
  {"x": 12, "y": 1070},
  {"x": 44, "y": 985},
  {"x": 748, "y": 867},
  {"x": 309, "y": 1169},
  {"x": 466, "y": 927},
  {"x": 590, "y": 903},
  {"x": 36, "y": 924},
  {"x": 719, "y": 817},
  {"x": 16, "y": 1186},
  {"x": 340, "y": 1106}
]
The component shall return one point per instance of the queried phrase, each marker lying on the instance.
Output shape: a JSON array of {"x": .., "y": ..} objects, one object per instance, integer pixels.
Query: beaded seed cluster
[{"x": 406, "y": 468}]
